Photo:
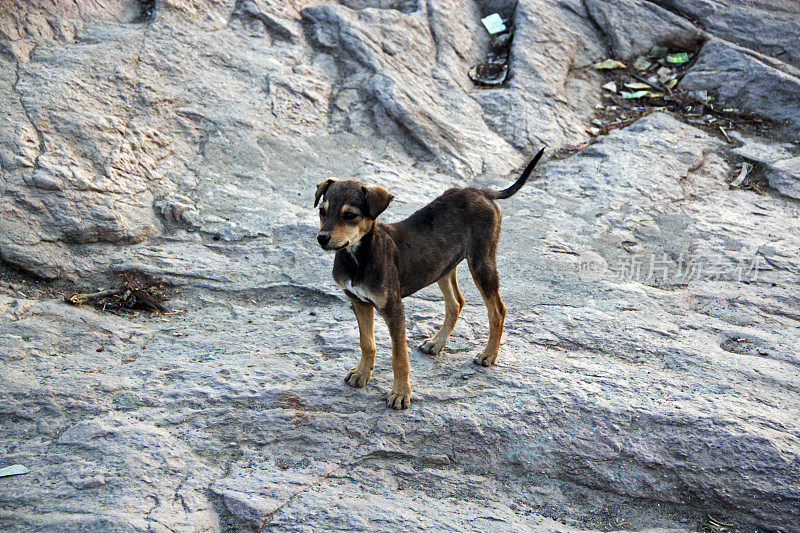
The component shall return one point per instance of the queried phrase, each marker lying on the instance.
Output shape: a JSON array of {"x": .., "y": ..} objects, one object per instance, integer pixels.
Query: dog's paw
[
  {"x": 357, "y": 378},
  {"x": 430, "y": 346},
  {"x": 485, "y": 359},
  {"x": 399, "y": 398}
]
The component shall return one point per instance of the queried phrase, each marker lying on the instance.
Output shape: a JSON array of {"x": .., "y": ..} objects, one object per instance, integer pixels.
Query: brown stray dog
[{"x": 378, "y": 265}]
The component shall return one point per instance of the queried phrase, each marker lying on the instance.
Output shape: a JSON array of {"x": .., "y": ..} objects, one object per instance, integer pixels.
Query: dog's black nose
[{"x": 323, "y": 239}]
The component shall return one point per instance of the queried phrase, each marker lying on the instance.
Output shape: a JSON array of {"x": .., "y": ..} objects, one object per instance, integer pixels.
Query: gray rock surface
[
  {"x": 632, "y": 27},
  {"x": 745, "y": 79},
  {"x": 649, "y": 372},
  {"x": 780, "y": 166},
  {"x": 766, "y": 26},
  {"x": 745, "y": 61}
]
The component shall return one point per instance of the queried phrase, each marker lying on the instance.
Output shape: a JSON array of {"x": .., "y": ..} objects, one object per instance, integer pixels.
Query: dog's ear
[
  {"x": 321, "y": 188},
  {"x": 378, "y": 199}
]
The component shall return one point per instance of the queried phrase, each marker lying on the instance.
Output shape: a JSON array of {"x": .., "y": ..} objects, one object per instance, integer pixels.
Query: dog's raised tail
[{"x": 511, "y": 191}]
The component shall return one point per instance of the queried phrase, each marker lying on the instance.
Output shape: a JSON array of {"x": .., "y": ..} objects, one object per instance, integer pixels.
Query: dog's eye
[
  {"x": 322, "y": 211},
  {"x": 349, "y": 215}
]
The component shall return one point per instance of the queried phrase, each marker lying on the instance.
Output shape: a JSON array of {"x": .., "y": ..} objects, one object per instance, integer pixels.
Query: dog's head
[{"x": 348, "y": 211}]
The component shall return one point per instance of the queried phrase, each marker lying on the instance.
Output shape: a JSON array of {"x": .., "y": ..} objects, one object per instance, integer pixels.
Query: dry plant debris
[
  {"x": 135, "y": 292},
  {"x": 652, "y": 83},
  {"x": 712, "y": 525}
]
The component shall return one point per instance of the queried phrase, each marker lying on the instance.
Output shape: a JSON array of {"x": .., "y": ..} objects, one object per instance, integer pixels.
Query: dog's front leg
[
  {"x": 359, "y": 376},
  {"x": 394, "y": 314}
]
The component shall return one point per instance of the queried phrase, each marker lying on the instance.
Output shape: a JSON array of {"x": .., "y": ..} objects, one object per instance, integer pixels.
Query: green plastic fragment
[
  {"x": 609, "y": 64},
  {"x": 641, "y": 63},
  {"x": 678, "y": 59},
  {"x": 635, "y": 94}
]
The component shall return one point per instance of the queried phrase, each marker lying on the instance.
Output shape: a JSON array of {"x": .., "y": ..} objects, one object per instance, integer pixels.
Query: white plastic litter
[
  {"x": 742, "y": 175},
  {"x": 13, "y": 470},
  {"x": 494, "y": 23}
]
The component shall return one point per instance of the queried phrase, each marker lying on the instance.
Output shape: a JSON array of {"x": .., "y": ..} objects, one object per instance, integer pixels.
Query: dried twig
[
  {"x": 84, "y": 298},
  {"x": 651, "y": 84},
  {"x": 712, "y": 525}
]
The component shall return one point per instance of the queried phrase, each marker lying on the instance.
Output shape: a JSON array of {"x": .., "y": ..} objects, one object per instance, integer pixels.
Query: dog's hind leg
[
  {"x": 365, "y": 313},
  {"x": 454, "y": 302},
  {"x": 484, "y": 273}
]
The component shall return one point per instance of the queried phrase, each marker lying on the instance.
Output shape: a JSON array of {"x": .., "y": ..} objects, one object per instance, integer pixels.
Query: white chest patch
[{"x": 357, "y": 290}]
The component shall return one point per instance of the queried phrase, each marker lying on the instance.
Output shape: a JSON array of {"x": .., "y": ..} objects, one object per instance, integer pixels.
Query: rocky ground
[{"x": 649, "y": 375}]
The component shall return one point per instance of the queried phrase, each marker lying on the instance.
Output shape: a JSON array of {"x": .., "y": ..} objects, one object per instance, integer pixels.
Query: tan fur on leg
[
  {"x": 497, "y": 315},
  {"x": 400, "y": 396},
  {"x": 359, "y": 376},
  {"x": 454, "y": 302},
  {"x": 485, "y": 275}
]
